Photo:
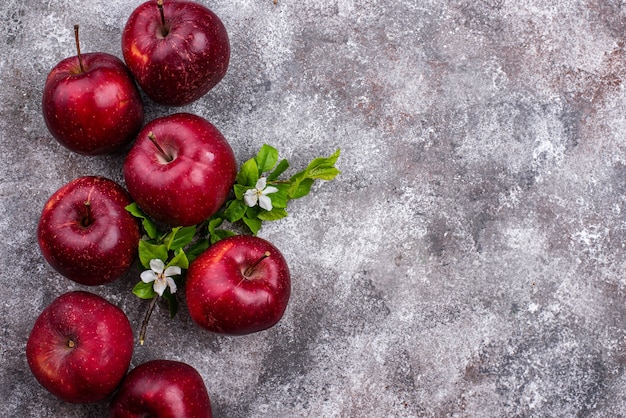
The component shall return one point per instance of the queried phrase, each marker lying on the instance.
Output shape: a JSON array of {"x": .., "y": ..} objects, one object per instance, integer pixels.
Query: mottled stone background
[{"x": 467, "y": 263}]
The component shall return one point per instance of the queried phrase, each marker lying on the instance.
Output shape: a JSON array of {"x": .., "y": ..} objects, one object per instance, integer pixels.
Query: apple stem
[
  {"x": 144, "y": 324},
  {"x": 80, "y": 57},
  {"x": 164, "y": 30},
  {"x": 250, "y": 269},
  {"x": 71, "y": 344},
  {"x": 87, "y": 219},
  {"x": 165, "y": 155}
]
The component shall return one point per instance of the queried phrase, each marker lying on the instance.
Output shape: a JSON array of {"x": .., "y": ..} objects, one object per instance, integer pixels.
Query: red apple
[
  {"x": 85, "y": 232},
  {"x": 177, "y": 50},
  {"x": 239, "y": 285},
  {"x": 80, "y": 347},
  {"x": 91, "y": 104},
  {"x": 182, "y": 175},
  {"x": 162, "y": 388}
]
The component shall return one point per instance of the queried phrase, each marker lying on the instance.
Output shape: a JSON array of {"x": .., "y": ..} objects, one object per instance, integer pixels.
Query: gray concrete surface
[{"x": 467, "y": 263}]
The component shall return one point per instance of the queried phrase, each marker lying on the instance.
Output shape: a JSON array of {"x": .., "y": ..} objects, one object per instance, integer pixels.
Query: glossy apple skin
[
  {"x": 191, "y": 187},
  {"x": 90, "y": 244},
  {"x": 180, "y": 67},
  {"x": 102, "y": 340},
  {"x": 94, "y": 112},
  {"x": 164, "y": 389},
  {"x": 221, "y": 299}
]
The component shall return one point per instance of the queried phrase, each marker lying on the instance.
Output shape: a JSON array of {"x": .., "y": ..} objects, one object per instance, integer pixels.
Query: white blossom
[
  {"x": 161, "y": 276},
  {"x": 260, "y": 194}
]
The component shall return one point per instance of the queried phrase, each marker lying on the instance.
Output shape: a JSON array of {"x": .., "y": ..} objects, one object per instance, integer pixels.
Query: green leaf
[
  {"x": 150, "y": 228},
  {"x": 324, "y": 173},
  {"x": 196, "y": 249},
  {"x": 321, "y": 168},
  {"x": 280, "y": 198},
  {"x": 301, "y": 188},
  {"x": 282, "y": 166},
  {"x": 220, "y": 234},
  {"x": 172, "y": 302},
  {"x": 323, "y": 161},
  {"x": 180, "y": 259},
  {"x": 149, "y": 251},
  {"x": 180, "y": 237},
  {"x": 215, "y": 222},
  {"x": 252, "y": 212},
  {"x": 248, "y": 173},
  {"x": 273, "y": 215},
  {"x": 240, "y": 190},
  {"x": 253, "y": 223},
  {"x": 235, "y": 210},
  {"x": 266, "y": 158},
  {"x": 134, "y": 210},
  {"x": 148, "y": 225},
  {"x": 144, "y": 290}
]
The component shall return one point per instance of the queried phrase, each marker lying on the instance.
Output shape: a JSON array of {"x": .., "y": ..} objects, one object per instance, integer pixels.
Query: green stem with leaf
[{"x": 181, "y": 245}]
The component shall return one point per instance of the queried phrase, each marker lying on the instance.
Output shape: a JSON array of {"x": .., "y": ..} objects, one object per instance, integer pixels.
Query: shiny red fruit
[
  {"x": 239, "y": 285},
  {"x": 190, "y": 180},
  {"x": 97, "y": 110},
  {"x": 162, "y": 388},
  {"x": 85, "y": 232},
  {"x": 80, "y": 347},
  {"x": 178, "y": 57}
]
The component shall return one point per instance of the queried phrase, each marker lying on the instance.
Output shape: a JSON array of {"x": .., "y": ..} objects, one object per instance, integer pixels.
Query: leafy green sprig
[
  {"x": 177, "y": 247},
  {"x": 265, "y": 164},
  {"x": 258, "y": 183}
]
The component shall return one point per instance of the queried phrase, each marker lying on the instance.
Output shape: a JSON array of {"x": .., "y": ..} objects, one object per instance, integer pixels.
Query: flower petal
[
  {"x": 159, "y": 286},
  {"x": 172, "y": 284},
  {"x": 269, "y": 189},
  {"x": 172, "y": 271},
  {"x": 265, "y": 202},
  {"x": 260, "y": 184},
  {"x": 250, "y": 198},
  {"x": 157, "y": 265},
  {"x": 148, "y": 276}
]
